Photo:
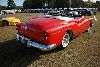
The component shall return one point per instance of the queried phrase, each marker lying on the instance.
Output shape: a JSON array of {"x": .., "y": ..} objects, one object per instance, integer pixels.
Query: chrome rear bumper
[{"x": 31, "y": 43}]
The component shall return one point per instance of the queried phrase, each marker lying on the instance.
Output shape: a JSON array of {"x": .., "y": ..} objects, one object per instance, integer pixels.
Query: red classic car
[{"x": 46, "y": 32}]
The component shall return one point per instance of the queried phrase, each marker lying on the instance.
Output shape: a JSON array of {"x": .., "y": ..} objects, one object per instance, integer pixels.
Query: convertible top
[
  {"x": 57, "y": 17},
  {"x": 61, "y": 17}
]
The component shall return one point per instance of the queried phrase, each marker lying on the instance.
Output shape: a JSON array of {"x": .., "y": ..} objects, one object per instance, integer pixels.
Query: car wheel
[
  {"x": 5, "y": 23},
  {"x": 91, "y": 24},
  {"x": 89, "y": 27},
  {"x": 65, "y": 40}
]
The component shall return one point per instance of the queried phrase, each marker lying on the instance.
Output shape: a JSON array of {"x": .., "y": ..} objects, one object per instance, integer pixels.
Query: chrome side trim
[
  {"x": 80, "y": 29},
  {"x": 51, "y": 34},
  {"x": 34, "y": 44}
]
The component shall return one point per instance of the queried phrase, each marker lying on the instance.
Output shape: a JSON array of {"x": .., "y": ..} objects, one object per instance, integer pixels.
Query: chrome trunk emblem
[{"x": 26, "y": 27}]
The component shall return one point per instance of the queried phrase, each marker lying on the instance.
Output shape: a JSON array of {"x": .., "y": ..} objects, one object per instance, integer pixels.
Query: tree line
[{"x": 35, "y": 4}]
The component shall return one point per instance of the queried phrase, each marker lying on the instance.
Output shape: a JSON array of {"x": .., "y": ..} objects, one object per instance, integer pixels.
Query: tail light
[
  {"x": 18, "y": 24},
  {"x": 45, "y": 35}
]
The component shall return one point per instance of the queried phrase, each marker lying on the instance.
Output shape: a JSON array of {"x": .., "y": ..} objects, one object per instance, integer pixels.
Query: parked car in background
[
  {"x": 59, "y": 10},
  {"x": 6, "y": 21},
  {"x": 10, "y": 13},
  {"x": 84, "y": 12},
  {"x": 4, "y": 12},
  {"x": 70, "y": 13},
  {"x": 94, "y": 11},
  {"x": 47, "y": 32},
  {"x": 51, "y": 12}
]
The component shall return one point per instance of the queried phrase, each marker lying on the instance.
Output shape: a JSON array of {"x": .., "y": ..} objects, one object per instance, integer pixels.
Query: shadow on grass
[
  {"x": 1, "y": 26},
  {"x": 16, "y": 54}
]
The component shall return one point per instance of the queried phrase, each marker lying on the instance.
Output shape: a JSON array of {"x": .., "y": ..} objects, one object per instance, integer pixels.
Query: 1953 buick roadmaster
[{"x": 46, "y": 32}]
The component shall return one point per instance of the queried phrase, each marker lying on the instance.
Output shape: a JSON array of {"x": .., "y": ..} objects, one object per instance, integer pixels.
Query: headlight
[{"x": 13, "y": 20}]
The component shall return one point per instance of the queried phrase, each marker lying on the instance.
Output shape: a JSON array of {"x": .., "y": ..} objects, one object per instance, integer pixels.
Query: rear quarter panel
[{"x": 56, "y": 34}]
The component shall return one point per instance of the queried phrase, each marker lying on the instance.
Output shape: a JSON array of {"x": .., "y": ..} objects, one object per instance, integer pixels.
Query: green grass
[{"x": 82, "y": 51}]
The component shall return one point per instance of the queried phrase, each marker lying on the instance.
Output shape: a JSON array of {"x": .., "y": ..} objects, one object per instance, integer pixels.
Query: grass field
[{"x": 82, "y": 51}]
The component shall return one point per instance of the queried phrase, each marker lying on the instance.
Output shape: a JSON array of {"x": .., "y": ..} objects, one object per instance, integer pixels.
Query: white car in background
[{"x": 51, "y": 12}]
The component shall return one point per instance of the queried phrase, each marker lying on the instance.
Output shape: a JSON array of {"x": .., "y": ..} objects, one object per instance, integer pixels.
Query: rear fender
[
  {"x": 70, "y": 33},
  {"x": 57, "y": 36}
]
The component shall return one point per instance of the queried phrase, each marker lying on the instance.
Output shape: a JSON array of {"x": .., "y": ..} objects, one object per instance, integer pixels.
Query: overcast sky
[{"x": 20, "y": 2}]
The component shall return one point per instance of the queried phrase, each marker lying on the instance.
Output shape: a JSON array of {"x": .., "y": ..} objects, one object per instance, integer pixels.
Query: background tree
[
  {"x": 35, "y": 4},
  {"x": 27, "y": 4},
  {"x": 88, "y": 4},
  {"x": 38, "y": 3},
  {"x": 50, "y": 3},
  {"x": 66, "y": 3},
  {"x": 32, "y": 4},
  {"x": 11, "y": 4},
  {"x": 0, "y": 8}
]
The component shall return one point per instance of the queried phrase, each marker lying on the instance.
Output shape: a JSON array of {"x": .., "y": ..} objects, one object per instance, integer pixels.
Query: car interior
[
  {"x": 73, "y": 14},
  {"x": 69, "y": 16}
]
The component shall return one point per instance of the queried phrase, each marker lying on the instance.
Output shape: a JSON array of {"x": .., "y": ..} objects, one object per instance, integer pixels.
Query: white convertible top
[{"x": 57, "y": 17}]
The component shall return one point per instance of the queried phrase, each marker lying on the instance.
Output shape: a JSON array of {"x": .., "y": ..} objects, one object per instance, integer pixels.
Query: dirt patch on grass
[{"x": 82, "y": 51}]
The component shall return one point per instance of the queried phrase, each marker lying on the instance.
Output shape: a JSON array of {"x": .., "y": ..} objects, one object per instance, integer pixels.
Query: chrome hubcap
[{"x": 65, "y": 40}]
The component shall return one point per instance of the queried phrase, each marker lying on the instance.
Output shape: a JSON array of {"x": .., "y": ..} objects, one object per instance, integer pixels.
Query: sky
[{"x": 20, "y": 2}]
